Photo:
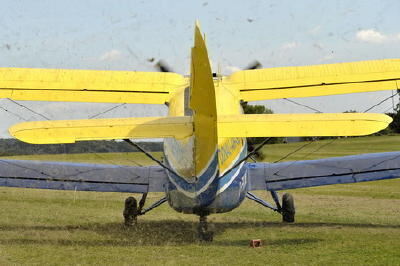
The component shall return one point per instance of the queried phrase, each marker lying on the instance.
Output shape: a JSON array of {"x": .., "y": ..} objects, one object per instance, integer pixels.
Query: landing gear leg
[
  {"x": 204, "y": 234},
  {"x": 288, "y": 210}
]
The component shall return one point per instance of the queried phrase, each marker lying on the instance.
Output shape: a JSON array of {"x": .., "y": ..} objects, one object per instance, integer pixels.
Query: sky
[{"x": 124, "y": 35}]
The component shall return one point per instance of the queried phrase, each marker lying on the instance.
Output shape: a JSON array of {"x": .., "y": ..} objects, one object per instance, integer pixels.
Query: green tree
[
  {"x": 255, "y": 109},
  {"x": 258, "y": 109},
  {"x": 394, "y": 127}
]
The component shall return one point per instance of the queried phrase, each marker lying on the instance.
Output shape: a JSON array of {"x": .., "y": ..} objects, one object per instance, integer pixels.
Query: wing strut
[{"x": 151, "y": 156}]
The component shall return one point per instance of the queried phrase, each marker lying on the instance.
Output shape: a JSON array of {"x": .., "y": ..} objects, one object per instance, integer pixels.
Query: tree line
[{"x": 10, "y": 147}]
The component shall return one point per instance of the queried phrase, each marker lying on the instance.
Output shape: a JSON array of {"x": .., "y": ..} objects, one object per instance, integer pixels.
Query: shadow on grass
[{"x": 162, "y": 233}]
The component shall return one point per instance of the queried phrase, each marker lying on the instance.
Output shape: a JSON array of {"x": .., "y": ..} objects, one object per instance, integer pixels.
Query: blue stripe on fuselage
[{"x": 209, "y": 193}]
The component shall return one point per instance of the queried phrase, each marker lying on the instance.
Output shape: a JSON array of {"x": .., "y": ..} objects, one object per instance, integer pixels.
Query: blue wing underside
[
  {"x": 336, "y": 170},
  {"x": 132, "y": 179},
  {"x": 81, "y": 176}
]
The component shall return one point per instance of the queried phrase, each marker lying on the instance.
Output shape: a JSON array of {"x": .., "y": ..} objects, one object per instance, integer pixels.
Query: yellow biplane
[{"x": 204, "y": 169}]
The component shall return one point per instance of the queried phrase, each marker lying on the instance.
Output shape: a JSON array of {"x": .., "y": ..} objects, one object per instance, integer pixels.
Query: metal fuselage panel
[{"x": 214, "y": 189}]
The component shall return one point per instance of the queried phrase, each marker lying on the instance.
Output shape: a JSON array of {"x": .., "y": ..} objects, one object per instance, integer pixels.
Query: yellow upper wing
[
  {"x": 318, "y": 80},
  {"x": 88, "y": 85}
]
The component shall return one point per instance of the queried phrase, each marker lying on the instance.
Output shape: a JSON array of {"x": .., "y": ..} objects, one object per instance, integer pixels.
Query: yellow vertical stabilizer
[{"x": 203, "y": 104}]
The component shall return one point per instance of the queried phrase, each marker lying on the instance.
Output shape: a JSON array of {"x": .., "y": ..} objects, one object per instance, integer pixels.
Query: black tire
[
  {"x": 130, "y": 211},
  {"x": 288, "y": 209},
  {"x": 202, "y": 229},
  {"x": 207, "y": 236}
]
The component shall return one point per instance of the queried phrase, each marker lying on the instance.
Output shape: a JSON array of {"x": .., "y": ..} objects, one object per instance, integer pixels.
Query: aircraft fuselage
[{"x": 214, "y": 188}]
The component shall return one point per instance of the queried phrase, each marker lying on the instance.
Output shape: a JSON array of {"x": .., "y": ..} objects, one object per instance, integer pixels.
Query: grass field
[{"x": 340, "y": 224}]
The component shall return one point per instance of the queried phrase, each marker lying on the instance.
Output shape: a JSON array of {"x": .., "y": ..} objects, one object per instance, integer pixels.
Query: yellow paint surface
[
  {"x": 301, "y": 125},
  {"x": 228, "y": 104},
  {"x": 70, "y": 131},
  {"x": 203, "y": 104},
  {"x": 88, "y": 85},
  {"x": 318, "y": 80}
]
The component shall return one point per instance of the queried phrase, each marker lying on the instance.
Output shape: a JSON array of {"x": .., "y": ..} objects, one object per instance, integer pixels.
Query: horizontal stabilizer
[
  {"x": 330, "y": 171},
  {"x": 318, "y": 80},
  {"x": 301, "y": 125},
  {"x": 70, "y": 131},
  {"x": 72, "y": 85},
  {"x": 81, "y": 176}
]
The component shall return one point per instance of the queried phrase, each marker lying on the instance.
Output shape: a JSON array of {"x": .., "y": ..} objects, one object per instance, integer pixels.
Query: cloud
[
  {"x": 289, "y": 45},
  {"x": 371, "y": 36},
  {"x": 111, "y": 55},
  {"x": 374, "y": 36}
]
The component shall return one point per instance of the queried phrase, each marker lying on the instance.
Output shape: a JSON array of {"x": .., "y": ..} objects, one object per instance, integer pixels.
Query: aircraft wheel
[
  {"x": 130, "y": 211},
  {"x": 204, "y": 234},
  {"x": 288, "y": 209}
]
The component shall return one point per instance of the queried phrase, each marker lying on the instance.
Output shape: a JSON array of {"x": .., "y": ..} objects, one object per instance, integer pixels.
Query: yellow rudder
[{"x": 203, "y": 104}]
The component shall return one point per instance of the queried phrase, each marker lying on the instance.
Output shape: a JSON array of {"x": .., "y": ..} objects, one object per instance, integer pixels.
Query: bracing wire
[
  {"x": 29, "y": 109},
  {"x": 303, "y": 105},
  {"x": 293, "y": 152},
  {"x": 326, "y": 144},
  {"x": 14, "y": 114},
  {"x": 106, "y": 111},
  {"x": 384, "y": 100},
  {"x": 47, "y": 118}
]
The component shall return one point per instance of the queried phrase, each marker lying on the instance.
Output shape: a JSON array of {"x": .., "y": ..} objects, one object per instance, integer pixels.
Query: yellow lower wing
[
  {"x": 274, "y": 125},
  {"x": 318, "y": 80},
  {"x": 70, "y": 131},
  {"x": 88, "y": 85},
  {"x": 301, "y": 125}
]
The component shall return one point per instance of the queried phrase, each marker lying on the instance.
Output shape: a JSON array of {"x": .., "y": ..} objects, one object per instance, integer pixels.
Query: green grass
[
  {"x": 340, "y": 224},
  {"x": 332, "y": 148}
]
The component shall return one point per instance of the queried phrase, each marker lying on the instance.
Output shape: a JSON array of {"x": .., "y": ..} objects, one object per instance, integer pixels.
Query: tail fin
[{"x": 203, "y": 104}]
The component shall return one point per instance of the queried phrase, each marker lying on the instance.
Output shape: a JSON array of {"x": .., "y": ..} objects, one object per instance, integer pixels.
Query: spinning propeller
[
  {"x": 254, "y": 65},
  {"x": 162, "y": 66}
]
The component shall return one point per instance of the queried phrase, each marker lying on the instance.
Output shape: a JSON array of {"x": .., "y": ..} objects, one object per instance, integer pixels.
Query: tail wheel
[
  {"x": 288, "y": 209},
  {"x": 202, "y": 229}
]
